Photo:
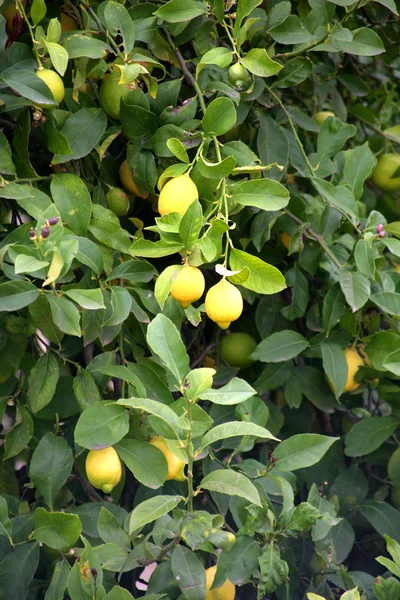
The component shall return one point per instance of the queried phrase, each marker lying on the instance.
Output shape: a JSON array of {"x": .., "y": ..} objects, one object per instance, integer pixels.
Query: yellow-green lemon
[
  {"x": 117, "y": 201},
  {"x": 177, "y": 195},
  {"x": 104, "y": 469},
  {"x": 354, "y": 361},
  {"x": 386, "y": 176},
  {"x": 111, "y": 93},
  {"x": 188, "y": 285},
  {"x": 224, "y": 303},
  {"x": 176, "y": 465},
  {"x": 53, "y": 82},
  {"x": 236, "y": 348},
  {"x": 321, "y": 116},
  {"x": 225, "y": 592},
  {"x": 128, "y": 182}
]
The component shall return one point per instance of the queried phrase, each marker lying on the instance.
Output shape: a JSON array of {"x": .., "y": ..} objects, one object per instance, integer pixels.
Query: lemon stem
[
  {"x": 189, "y": 449},
  {"x": 21, "y": 9},
  {"x": 232, "y": 41}
]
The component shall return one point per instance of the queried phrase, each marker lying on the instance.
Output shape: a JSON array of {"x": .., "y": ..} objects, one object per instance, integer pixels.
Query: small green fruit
[
  {"x": 236, "y": 348},
  {"x": 395, "y": 496},
  {"x": 387, "y": 173},
  {"x": 117, "y": 201},
  {"x": 239, "y": 76},
  {"x": 321, "y": 116}
]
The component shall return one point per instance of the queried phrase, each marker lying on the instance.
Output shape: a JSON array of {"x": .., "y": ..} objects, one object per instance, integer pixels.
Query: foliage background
[{"x": 94, "y": 351}]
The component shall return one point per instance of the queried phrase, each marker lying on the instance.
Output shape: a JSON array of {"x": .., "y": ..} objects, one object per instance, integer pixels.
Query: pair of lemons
[
  {"x": 104, "y": 469},
  {"x": 117, "y": 199}
]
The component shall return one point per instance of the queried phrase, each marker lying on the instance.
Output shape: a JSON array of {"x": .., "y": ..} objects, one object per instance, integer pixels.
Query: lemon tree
[{"x": 199, "y": 300}]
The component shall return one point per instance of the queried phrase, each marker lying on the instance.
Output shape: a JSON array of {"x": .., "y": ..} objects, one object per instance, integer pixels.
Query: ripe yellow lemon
[
  {"x": 177, "y": 195},
  {"x": 104, "y": 469},
  {"x": 224, "y": 303},
  {"x": 225, "y": 592},
  {"x": 321, "y": 116},
  {"x": 236, "y": 348},
  {"x": 354, "y": 361},
  {"x": 53, "y": 82},
  {"x": 285, "y": 239},
  {"x": 188, "y": 285},
  {"x": 175, "y": 464},
  {"x": 387, "y": 166},
  {"x": 117, "y": 201},
  {"x": 127, "y": 181},
  {"x": 111, "y": 93}
]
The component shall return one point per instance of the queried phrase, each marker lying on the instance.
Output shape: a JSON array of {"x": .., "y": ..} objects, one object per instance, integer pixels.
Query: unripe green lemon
[
  {"x": 188, "y": 285},
  {"x": 111, "y": 93},
  {"x": 53, "y": 82},
  {"x": 225, "y": 592},
  {"x": 239, "y": 76},
  {"x": 236, "y": 348},
  {"x": 224, "y": 303},
  {"x": 387, "y": 166},
  {"x": 117, "y": 201},
  {"x": 175, "y": 464},
  {"x": 395, "y": 496},
  {"x": 321, "y": 116},
  {"x": 128, "y": 182},
  {"x": 177, "y": 195},
  {"x": 104, "y": 469}
]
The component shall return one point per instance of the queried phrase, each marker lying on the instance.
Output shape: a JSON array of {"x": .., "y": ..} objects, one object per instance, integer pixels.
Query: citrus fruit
[
  {"x": 225, "y": 592},
  {"x": 224, "y": 303},
  {"x": 127, "y": 181},
  {"x": 104, "y": 469},
  {"x": 395, "y": 496},
  {"x": 321, "y": 116},
  {"x": 387, "y": 166},
  {"x": 188, "y": 285},
  {"x": 236, "y": 348},
  {"x": 239, "y": 76},
  {"x": 354, "y": 361},
  {"x": 285, "y": 239},
  {"x": 117, "y": 201},
  {"x": 177, "y": 195},
  {"x": 53, "y": 82},
  {"x": 111, "y": 93},
  {"x": 175, "y": 464}
]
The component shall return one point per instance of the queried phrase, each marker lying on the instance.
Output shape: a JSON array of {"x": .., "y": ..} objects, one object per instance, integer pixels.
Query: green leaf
[
  {"x": 335, "y": 366},
  {"x": 138, "y": 456},
  {"x": 20, "y": 435},
  {"x": 85, "y": 389},
  {"x": 179, "y": 11},
  {"x": 15, "y": 295},
  {"x": 65, "y": 315},
  {"x": 394, "y": 467},
  {"x": 78, "y": 45},
  {"x": 189, "y": 573},
  {"x": 159, "y": 410},
  {"x": 222, "y": 57},
  {"x": 164, "y": 283},
  {"x": 261, "y": 277},
  {"x": 119, "y": 22},
  {"x": 301, "y": 451},
  {"x": 57, "y": 530},
  {"x": 383, "y": 517},
  {"x": 219, "y": 117},
  {"x": 89, "y": 299},
  {"x": 234, "y": 392},
  {"x": 359, "y": 167},
  {"x": 83, "y": 131},
  {"x": 314, "y": 386},
  {"x": 374, "y": 429},
  {"x": 29, "y": 86},
  {"x": 334, "y": 307},
  {"x": 110, "y": 530},
  {"x": 274, "y": 570},
  {"x": 72, "y": 200},
  {"x": 42, "y": 382},
  {"x": 24, "y": 561},
  {"x": 291, "y": 31},
  {"x": 280, "y": 346},
  {"x": 365, "y": 255},
  {"x": 166, "y": 342},
  {"x": 51, "y": 464},
  {"x": 239, "y": 562},
  {"x": 216, "y": 170},
  {"x": 148, "y": 249},
  {"x": 294, "y": 72},
  {"x": 386, "y": 301},
  {"x": 28, "y": 264},
  {"x": 101, "y": 425},
  {"x": 58, "y": 582},
  {"x": 178, "y": 150},
  {"x": 258, "y": 62},
  {"x": 355, "y": 287},
  {"x": 121, "y": 303},
  {"x": 332, "y": 136},
  {"x": 261, "y": 193},
  {"x": 233, "y": 429},
  {"x": 191, "y": 224},
  {"x": 226, "y": 481},
  {"x": 5, "y": 521},
  {"x": 365, "y": 42},
  {"x": 58, "y": 56},
  {"x": 151, "y": 510}
]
